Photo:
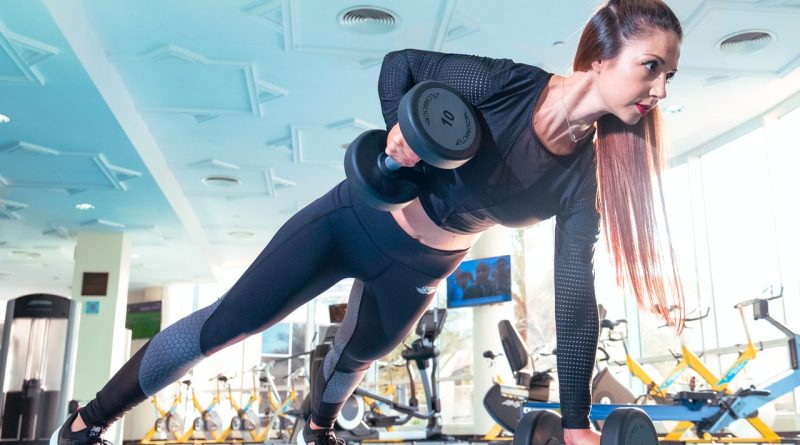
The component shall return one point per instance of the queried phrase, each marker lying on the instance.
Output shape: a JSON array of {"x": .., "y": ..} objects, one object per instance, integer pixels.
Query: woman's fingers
[{"x": 397, "y": 149}]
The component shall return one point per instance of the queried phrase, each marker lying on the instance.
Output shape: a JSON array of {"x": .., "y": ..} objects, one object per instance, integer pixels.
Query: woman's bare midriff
[{"x": 415, "y": 222}]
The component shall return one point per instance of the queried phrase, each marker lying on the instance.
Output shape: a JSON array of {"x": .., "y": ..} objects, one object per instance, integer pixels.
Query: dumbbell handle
[{"x": 387, "y": 164}]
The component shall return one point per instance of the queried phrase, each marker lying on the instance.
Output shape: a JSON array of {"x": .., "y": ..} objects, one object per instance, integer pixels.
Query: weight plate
[
  {"x": 540, "y": 427},
  {"x": 380, "y": 190},
  {"x": 439, "y": 125},
  {"x": 629, "y": 426}
]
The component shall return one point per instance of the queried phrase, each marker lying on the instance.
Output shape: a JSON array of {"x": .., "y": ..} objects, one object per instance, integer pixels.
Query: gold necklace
[{"x": 569, "y": 126}]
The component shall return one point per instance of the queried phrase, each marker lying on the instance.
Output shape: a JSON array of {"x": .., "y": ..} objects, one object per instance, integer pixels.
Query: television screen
[
  {"x": 481, "y": 281},
  {"x": 144, "y": 319}
]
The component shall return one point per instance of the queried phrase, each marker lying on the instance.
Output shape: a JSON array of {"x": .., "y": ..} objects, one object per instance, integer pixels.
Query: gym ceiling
[{"x": 198, "y": 127}]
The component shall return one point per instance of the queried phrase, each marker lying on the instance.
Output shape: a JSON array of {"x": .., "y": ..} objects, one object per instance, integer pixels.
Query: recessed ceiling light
[
  {"x": 368, "y": 20},
  {"x": 241, "y": 234},
  {"x": 221, "y": 181},
  {"x": 672, "y": 109},
  {"x": 25, "y": 254},
  {"x": 4, "y": 119},
  {"x": 84, "y": 206}
]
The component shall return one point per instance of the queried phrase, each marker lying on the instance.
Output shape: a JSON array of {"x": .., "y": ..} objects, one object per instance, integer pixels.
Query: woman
[{"x": 540, "y": 158}]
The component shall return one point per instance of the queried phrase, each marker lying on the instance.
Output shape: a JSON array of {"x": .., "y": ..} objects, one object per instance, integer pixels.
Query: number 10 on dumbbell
[{"x": 437, "y": 123}]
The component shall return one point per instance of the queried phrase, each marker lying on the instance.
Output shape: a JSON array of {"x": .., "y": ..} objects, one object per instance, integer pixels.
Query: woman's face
[{"x": 636, "y": 79}]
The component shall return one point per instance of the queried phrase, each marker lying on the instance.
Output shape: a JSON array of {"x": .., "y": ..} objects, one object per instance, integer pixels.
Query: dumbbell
[
  {"x": 437, "y": 123},
  {"x": 625, "y": 426}
]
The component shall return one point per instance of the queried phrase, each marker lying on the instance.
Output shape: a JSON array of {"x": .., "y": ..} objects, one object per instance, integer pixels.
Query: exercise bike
[
  {"x": 503, "y": 402},
  {"x": 360, "y": 420},
  {"x": 688, "y": 360},
  {"x": 169, "y": 424},
  {"x": 246, "y": 421},
  {"x": 209, "y": 422}
]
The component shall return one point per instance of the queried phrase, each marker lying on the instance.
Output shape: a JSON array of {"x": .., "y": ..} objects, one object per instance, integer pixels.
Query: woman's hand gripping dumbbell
[{"x": 435, "y": 124}]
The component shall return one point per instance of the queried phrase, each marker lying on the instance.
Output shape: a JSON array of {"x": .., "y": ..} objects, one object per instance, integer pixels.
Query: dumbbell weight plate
[
  {"x": 540, "y": 427},
  {"x": 628, "y": 426},
  {"x": 439, "y": 125},
  {"x": 381, "y": 190}
]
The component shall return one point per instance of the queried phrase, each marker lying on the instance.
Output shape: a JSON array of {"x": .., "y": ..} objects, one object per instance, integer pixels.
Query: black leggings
[{"x": 335, "y": 237}]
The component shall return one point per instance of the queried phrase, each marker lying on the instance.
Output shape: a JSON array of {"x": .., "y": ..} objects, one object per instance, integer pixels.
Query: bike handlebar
[{"x": 753, "y": 301}]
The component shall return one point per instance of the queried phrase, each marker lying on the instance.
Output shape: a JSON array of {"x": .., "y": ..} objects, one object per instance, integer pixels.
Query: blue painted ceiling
[{"x": 128, "y": 106}]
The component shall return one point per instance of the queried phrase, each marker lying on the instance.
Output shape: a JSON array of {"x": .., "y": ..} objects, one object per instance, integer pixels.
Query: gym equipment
[
  {"x": 688, "y": 360},
  {"x": 623, "y": 426},
  {"x": 685, "y": 360},
  {"x": 209, "y": 422},
  {"x": 503, "y": 402},
  {"x": 605, "y": 387},
  {"x": 356, "y": 423},
  {"x": 170, "y": 423},
  {"x": 245, "y": 420},
  {"x": 37, "y": 366},
  {"x": 280, "y": 415},
  {"x": 710, "y": 411},
  {"x": 437, "y": 123},
  {"x": 745, "y": 402}
]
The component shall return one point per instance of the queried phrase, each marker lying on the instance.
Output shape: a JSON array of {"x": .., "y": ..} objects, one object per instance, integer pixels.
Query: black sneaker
[
  {"x": 86, "y": 436},
  {"x": 318, "y": 437}
]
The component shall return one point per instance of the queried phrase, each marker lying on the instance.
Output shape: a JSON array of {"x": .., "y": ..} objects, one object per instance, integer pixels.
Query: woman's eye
[{"x": 650, "y": 65}]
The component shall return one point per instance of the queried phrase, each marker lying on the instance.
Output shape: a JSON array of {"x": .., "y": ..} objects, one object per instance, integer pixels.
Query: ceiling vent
[
  {"x": 221, "y": 181},
  {"x": 368, "y": 20},
  {"x": 746, "y": 42}
]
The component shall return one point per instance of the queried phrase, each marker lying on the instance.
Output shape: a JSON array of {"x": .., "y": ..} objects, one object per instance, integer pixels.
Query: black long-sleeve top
[{"x": 515, "y": 181}]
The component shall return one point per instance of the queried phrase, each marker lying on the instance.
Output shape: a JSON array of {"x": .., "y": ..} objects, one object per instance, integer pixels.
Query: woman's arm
[
  {"x": 476, "y": 78},
  {"x": 576, "y": 309}
]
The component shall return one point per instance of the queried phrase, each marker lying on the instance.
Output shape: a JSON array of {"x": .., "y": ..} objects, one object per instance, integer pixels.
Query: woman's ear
[{"x": 597, "y": 66}]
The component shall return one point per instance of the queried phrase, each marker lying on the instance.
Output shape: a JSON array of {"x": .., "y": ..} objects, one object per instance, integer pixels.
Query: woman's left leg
[{"x": 380, "y": 314}]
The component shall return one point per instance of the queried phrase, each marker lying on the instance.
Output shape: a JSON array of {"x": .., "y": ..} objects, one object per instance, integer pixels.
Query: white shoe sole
[{"x": 54, "y": 437}]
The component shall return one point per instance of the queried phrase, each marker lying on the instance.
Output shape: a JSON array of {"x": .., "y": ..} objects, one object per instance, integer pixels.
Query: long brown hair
[{"x": 630, "y": 159}]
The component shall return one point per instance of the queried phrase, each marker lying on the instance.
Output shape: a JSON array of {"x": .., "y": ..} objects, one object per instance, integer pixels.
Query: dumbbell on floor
[
  {"x": 437, "y": 123},
  {"x": 625, "y": 426}
]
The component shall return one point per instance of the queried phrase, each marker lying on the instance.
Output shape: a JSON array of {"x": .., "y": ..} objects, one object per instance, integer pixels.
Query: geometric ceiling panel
[
  {"x": 716, "y": 20},
  {"x": 171, "y": 79},
  {"x": 269, "y": 13},
  {"x": 8, "y": 209},
  {"x": 27, "y": 165},
  {"x": 19, "y": 54},
  {"x": 267, "y": 91},
  {"x": 325, "y": 144},
  {"x": 59, "y": 231},
  {"x": 460, "y": 26},
  {"x": 313, "y": 27}
]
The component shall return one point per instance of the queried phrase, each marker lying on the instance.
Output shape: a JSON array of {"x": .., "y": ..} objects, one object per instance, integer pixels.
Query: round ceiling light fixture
[
  {"x": 221, "y": 181},
  {"x": 673, "y": 108},
  {"x": 4, "y": 119},
  {"x": 746, "y": 42},
  {"x": 241, "y": 234},
  {"x": 25, "y": 254},
  {"x": 368, "y": 20}
]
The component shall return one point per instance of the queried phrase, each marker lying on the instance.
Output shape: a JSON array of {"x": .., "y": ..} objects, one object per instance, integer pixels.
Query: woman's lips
[{"x": 643, "y": 109}]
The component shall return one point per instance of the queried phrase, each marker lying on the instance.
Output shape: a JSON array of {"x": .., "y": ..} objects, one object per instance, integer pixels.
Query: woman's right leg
[{"x": 303, "y": 259}]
